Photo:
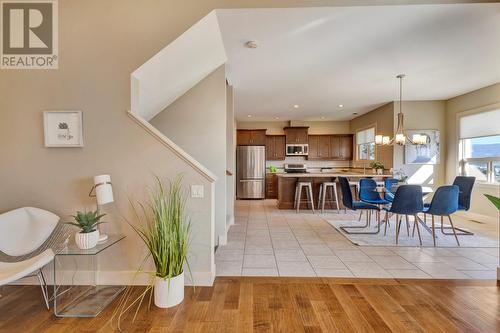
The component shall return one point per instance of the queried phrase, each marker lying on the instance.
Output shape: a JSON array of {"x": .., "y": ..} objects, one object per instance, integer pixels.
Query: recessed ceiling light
[
  {"x": 322, "y": 117},
  {"x": 251, "y": 44},
  {"x": 249, "y": 116},
  {"x": 296, "y": 106},
  {"x": 276, "y": 117},
  {"x": 341, "y": 105}
]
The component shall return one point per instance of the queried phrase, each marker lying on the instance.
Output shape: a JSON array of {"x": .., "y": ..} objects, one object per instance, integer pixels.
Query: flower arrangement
[{"x": 400, "y": 175}]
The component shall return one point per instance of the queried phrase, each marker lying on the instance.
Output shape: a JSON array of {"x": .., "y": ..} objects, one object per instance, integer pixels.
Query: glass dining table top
[{"x": 425, "y": 189}]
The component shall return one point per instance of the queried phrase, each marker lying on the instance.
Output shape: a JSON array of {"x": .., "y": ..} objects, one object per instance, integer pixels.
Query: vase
[
  {"x": 169, "y": 293},
  {"x": 87, "y": 240},
  {"x": 380, "y": 171}
]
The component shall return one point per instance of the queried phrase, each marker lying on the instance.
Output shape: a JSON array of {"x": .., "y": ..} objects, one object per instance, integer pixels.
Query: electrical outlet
[{"x": 197, "y": 191}]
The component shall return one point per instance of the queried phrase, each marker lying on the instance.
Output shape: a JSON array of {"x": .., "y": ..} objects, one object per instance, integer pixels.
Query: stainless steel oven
[{"x": 297, "y": 150}]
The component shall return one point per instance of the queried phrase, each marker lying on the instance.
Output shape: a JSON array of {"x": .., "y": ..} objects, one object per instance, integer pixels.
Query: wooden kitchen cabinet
[
  {"x": 346, "y": 147},
  {"x": 296, "y": 135},
  {"x": 330, "y": 147},
  {"x": 275, "y": 147},
  {"x": 335, "y": 147},
  {"x": 255, "y": 137},
  {"x": 271, "y": 186},
  {"x": 319, "y": 147}
]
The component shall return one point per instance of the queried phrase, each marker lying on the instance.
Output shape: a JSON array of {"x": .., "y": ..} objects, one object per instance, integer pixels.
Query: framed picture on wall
[
  {"x": 63, "y": 128},
  {"x": 423, "y": 154}
]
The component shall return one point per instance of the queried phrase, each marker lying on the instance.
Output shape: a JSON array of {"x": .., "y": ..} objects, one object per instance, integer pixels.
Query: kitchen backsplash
[{"x": 314, "y": 164}]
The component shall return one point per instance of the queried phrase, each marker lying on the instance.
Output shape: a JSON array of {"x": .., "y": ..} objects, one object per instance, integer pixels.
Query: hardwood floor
[{"x": 258, "y": 304}]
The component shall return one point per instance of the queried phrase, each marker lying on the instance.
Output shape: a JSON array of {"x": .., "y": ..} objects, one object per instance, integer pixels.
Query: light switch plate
[{"x": 197, "y": 191}]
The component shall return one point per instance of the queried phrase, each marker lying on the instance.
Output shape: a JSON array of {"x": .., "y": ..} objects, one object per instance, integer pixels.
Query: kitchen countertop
[{"x": 329, "y": 174}]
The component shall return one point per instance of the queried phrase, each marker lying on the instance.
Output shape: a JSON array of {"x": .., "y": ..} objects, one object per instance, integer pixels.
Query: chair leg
[
  {"x": 346, "y": 228},
  {"x": 398, "y": 224},
  {"x": 43, "y": 286},
  {"x": 386, "y": 222},
  {"x": 323, "y": 198},
  {"x": 298, "y": 196},
  {"x": 418, "y": 229},
  {"x": 360, "y": 214},
  {"x": 462, "y": 232},
  {"x": 454, "y": 232},
  {"x": 413, "y": 231},
  {"x": 407, "y": 226},
  {"x": 433, "y": 230},
  {"x": 310, "y": 196},
  {"x": 320, "y": 196},
  {"x": 334, "y": 189}
]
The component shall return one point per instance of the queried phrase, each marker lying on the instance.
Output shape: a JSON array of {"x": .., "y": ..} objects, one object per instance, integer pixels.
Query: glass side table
[{"x": 78, "y": 294}]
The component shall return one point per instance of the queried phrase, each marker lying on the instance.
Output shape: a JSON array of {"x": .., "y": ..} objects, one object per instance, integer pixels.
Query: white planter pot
[
  {"x": 380, "y": 171},
  {"x": 87, "y": 240},
  {"x": 169, "y": 294}
]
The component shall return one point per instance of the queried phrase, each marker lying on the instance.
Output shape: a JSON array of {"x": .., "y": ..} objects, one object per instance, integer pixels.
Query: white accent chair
[{"x": 29, "y": 237}]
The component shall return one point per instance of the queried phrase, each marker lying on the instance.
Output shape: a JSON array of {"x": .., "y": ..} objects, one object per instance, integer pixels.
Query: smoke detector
[{"x": 251, "y": 44}]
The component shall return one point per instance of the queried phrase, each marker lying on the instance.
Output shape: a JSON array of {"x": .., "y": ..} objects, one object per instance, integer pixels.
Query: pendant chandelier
[{"x": 400, "y": 138}]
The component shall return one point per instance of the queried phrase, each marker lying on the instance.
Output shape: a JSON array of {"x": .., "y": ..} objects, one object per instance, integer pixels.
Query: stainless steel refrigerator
[{"x": 250, "y": 172}]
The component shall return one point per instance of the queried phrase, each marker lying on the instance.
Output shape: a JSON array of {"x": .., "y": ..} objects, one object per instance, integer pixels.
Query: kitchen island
[{"x": 287, "y": 182}]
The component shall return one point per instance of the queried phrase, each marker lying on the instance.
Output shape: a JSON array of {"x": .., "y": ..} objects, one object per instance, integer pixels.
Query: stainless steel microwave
[{"x": 297, "y": 150}]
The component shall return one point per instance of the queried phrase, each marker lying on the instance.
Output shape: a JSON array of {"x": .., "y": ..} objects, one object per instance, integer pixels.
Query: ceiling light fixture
[
  {"x": 296, "y": 106},
  {"x": 249, "y": 116},
  {"x": 322, "y": 117},
  {"x": 251, "y": 44},
  {"x": 341, "y": 105},
  {"x": 276, "y": 117},
  {"x": 400, "y": 138},
  {"x": 354, "y": 113}
]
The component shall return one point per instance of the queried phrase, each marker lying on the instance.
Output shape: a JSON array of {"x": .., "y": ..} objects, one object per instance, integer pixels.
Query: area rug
[{"x": 475, "y": 240}]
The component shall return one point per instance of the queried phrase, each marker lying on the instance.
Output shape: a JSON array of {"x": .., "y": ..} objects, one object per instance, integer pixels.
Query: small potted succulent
[
  {"x": 378, "y": 168},
  {"x": 88, "y": 236}
]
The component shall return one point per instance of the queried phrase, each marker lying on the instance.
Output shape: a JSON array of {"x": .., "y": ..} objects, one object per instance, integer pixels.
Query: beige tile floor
[{"x": 266, "y": 241}]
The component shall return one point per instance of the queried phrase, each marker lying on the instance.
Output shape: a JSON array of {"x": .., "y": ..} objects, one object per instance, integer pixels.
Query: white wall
[
  {"x": 484, "y": 99},
  {"x": 423, "y": 115},
  {"x": 197, "y": 123},
  {"x": 230, "y": 156}
]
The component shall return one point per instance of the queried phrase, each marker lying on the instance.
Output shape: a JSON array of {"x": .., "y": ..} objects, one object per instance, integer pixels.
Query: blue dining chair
[
  {"x": 407, "y": 201},
  {"x": 388, "y": 184},
  {"x": 444, "y": 203},
  {"x": 368, "y": 193},
  {"x": 465, "y": 185},
  {"x": 350, "y": 203}
]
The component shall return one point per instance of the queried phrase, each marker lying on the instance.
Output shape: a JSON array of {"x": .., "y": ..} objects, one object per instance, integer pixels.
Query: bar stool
[
  {"x": 298, "y": 194},
  {"x": 323, "y": 188}
]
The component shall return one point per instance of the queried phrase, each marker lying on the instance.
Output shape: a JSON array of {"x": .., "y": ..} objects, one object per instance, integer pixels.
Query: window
[
  {"x": 480, "y": 146},
  {"x": 365, "y": 144}
]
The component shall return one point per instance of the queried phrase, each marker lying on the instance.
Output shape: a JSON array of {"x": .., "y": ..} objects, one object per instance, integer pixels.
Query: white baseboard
[
  {"x": 116, "y": 278},
  {"x": 229, "y": 221},
  {"x": 223, "y": 240}
]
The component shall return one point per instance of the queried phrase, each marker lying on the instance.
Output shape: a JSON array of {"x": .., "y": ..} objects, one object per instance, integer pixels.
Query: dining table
[{"x": 426, "y": 190}]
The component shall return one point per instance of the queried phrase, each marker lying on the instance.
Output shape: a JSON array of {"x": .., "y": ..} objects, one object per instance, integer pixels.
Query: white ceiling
[{"x": 319, "y": 58}]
